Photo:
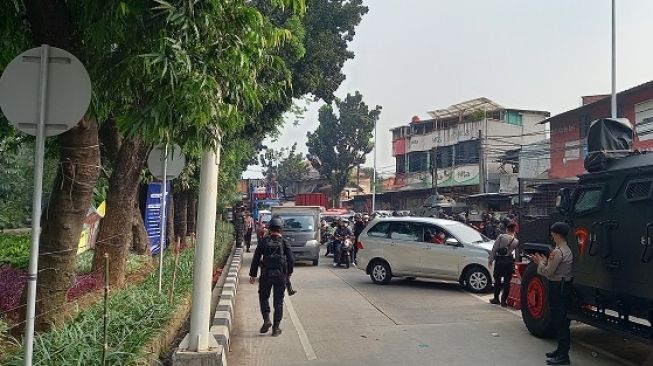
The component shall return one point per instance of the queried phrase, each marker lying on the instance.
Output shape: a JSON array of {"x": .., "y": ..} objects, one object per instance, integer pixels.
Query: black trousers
[
  {"x": 503, "y": 269},
  {"x": 277, "y": 286},
  {"x": 559, "y": 298},
  {"x": 248, "y": 238}
]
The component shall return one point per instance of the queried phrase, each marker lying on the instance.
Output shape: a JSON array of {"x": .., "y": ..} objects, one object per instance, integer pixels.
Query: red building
[{"x": 569, "y": 129}]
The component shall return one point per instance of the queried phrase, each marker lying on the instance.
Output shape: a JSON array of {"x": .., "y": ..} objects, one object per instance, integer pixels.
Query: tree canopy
[
  {"x": 284, "y": 166},
  {"x": 342, "y": 141}
]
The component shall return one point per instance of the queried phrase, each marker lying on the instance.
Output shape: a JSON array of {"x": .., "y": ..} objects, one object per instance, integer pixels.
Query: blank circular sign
[
  {"x": 68, "y": 91},
  {"x": 176, "y": 161}
]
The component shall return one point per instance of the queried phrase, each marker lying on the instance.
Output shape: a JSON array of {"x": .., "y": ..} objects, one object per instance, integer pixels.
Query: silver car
[{"x": 413, "y": 247}]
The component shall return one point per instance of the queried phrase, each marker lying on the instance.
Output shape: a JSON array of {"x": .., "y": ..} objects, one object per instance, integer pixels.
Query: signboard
[
  {"x": 153, "y": 214},
  {"x": 465, "y": 175}
]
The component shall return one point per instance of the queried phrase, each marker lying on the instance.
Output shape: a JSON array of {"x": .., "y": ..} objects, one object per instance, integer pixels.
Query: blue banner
[{"x": 153, "y": 215}]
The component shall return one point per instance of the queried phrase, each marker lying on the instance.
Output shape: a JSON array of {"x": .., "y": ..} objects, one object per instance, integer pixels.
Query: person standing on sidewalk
[
  {"x": 239, "y": 226},
  {"x": 504, "y": 263},
  {"x": 274, "y": 257},
  {"x": 557, "y": 269},
  {"x": 249, "y": 227}
]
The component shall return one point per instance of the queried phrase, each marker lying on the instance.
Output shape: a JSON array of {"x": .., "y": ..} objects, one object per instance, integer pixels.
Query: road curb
[{"x": 223, "y": 318}]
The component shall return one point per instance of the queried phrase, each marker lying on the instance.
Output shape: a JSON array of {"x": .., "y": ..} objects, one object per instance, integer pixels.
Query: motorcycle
[{"x": 344, "y": 254}]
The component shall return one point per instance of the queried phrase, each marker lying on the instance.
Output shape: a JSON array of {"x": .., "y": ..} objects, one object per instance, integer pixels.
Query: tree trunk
[
  {"x": 61, "y": 224},
  {"x": 79, "y": 160},
  {"x": 115, "y": 231},
  {"x": 140, "y": 239},
  {"x": 191, "y": 213},
  {"x": 181, "y": 216}
]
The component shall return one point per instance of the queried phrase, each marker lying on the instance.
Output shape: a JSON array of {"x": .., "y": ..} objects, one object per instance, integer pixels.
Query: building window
[
  {"x": 417, "y": 129},
  {"x": 428, "y": 127},
  {"x": 467, "y": 152},
  {"x": 418, "y": 161},
  {"x": 513, "y": 118},
  {"x": 401, "y": 163},
  {"x": 444, "y": 156}
]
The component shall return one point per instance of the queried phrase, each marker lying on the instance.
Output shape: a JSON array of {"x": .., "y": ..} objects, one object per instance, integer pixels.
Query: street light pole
[
  {"x": 614, "y": 61},
  {"x": 374, "y": 173}
]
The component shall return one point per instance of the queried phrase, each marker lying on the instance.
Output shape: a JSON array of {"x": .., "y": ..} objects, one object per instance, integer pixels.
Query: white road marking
[{"x": 303, "y": 338}]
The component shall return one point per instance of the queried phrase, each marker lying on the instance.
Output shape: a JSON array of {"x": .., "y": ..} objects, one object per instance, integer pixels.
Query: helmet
[
  {"x": 323, "y": 222},
  {"x": 366, "y": 217},
  {"x": 357, "y": 217},
  {"x": 276, "y": 222}
]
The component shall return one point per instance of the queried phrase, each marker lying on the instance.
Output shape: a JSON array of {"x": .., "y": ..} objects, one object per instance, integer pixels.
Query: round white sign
[
  {"x": 67, "y": 96},
  {"x": 176, "y": 161}
]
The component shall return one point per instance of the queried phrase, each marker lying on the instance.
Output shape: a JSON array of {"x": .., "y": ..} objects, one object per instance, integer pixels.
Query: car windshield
[
  {"x": 466, "y": 234},
  {"x": 298, "y": 223}
]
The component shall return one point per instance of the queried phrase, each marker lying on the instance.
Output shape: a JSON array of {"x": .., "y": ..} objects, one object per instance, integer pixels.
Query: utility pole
[
  {"x": 204, "y": 251},
  {"x": 614, "y": 61},
  {"x": 434, "y": 171},
  {"x": 482, "y": 184}
]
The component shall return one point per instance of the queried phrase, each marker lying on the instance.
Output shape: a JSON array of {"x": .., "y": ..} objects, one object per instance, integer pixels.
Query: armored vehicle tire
[
  {"x": 380, "y": 272},
  {"x": 477, "y": 279},
  {"x": 534, "y": 296}
]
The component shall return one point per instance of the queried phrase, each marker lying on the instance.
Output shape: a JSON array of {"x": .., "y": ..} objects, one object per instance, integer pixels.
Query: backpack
[{"x": 274, "y": 257}]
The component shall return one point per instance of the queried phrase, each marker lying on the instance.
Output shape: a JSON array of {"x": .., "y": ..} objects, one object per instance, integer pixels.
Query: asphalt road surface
[{"x": 339, "y": 317}]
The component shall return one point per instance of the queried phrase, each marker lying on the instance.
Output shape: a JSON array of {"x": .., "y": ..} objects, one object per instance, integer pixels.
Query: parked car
[{"x": 405, "y": 247}]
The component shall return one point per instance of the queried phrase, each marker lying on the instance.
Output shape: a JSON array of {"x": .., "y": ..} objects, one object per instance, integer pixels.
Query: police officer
[
  {"x": 239, "y": 223},
  {"x": 557, "y": 269},
  {"x": 504, "y": 264},
  {"x": 274, "y": 257},
  {"x": 342, "y": 231},
  {"x": 359, "y": 226}
]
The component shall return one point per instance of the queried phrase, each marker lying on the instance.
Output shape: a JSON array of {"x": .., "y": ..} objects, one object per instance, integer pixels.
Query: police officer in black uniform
[
  {"x": 274, "y": 257},
  {"x": 557, "y": 269}
]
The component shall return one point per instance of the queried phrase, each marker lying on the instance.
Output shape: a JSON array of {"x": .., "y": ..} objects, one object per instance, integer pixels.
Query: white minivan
[{"x": 415, "y": 247}]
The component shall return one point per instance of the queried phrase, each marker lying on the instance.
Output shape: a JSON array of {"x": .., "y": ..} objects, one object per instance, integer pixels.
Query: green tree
[
  {"x": 284, "y": 167},
  {"x": 342, "y": 141}
]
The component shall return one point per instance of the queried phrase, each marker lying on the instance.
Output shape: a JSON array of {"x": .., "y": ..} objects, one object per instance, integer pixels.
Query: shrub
[
  {"x": 12, "y": 284},
  {"x": 14, "y": 249}
]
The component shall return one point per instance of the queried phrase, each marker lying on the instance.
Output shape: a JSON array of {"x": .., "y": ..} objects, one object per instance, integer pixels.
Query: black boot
[
  {"x": 559, "y": 360},
  {"x": 276, "y": 331},
  {"x": 266, "y": 323},
  {"x": 291, "y": 291},
  {"x": 494, "y": 302},
  {"x": 553, "y": 354}
]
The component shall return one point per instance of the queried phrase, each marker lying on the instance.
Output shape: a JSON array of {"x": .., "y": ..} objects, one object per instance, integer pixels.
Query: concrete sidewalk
[{"x": 339, "y": 317}]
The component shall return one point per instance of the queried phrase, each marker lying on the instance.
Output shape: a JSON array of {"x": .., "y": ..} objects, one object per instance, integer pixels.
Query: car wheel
[
  {"x": 534, "y": 297},
  {"x": 380, "y": 273},
  {"x": 316, "y": 261},
  {"x": 477, "y": 279}
]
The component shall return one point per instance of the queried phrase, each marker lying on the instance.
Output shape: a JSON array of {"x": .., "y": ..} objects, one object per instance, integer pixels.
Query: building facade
[
  {"x": 462, "y": 144},
  {"x": 569, "y": 129}
]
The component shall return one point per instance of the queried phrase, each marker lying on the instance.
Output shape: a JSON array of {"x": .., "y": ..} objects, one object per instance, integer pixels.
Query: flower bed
[{"x": 136, "y": 314}]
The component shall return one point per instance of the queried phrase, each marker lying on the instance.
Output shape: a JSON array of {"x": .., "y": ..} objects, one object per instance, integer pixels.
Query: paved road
[{"x": 340, "y": 318}]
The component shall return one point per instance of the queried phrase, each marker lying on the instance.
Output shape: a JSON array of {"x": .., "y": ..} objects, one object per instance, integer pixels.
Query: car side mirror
[
  {"x": 563, "y": 200},
  {"x": 452, "y": 241}
]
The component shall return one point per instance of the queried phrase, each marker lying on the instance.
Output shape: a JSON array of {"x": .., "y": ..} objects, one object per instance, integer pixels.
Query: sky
[{"x": 414, "y": 56}]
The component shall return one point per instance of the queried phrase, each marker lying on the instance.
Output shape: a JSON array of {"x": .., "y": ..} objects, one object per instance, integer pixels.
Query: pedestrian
[
  {"x": 359, "y": 226},
  {"x": 557, "y": 269},
  {"x": 239, "y": 223},
  {"x": 274, "y": 257},
  {"x": 249, "y": 227},
  {"x": 503, "y": 257}
]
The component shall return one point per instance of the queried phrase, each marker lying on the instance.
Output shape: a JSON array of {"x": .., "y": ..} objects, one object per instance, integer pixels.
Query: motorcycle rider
[
  {"x": 330, "y": 230},
  {"x": 342, "y": 231},
  {"x": 366, "y": 219},
  {"x": 359, "y": 226}
]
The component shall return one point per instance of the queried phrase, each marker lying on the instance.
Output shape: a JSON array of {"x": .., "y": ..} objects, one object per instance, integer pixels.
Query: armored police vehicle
[{"x": 610, "y": 212}]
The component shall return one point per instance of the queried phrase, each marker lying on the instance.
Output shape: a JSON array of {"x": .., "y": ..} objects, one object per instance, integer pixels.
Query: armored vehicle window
[
  {"x": 588, "y": 199},
  {"x": 639, "y": 189}
]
